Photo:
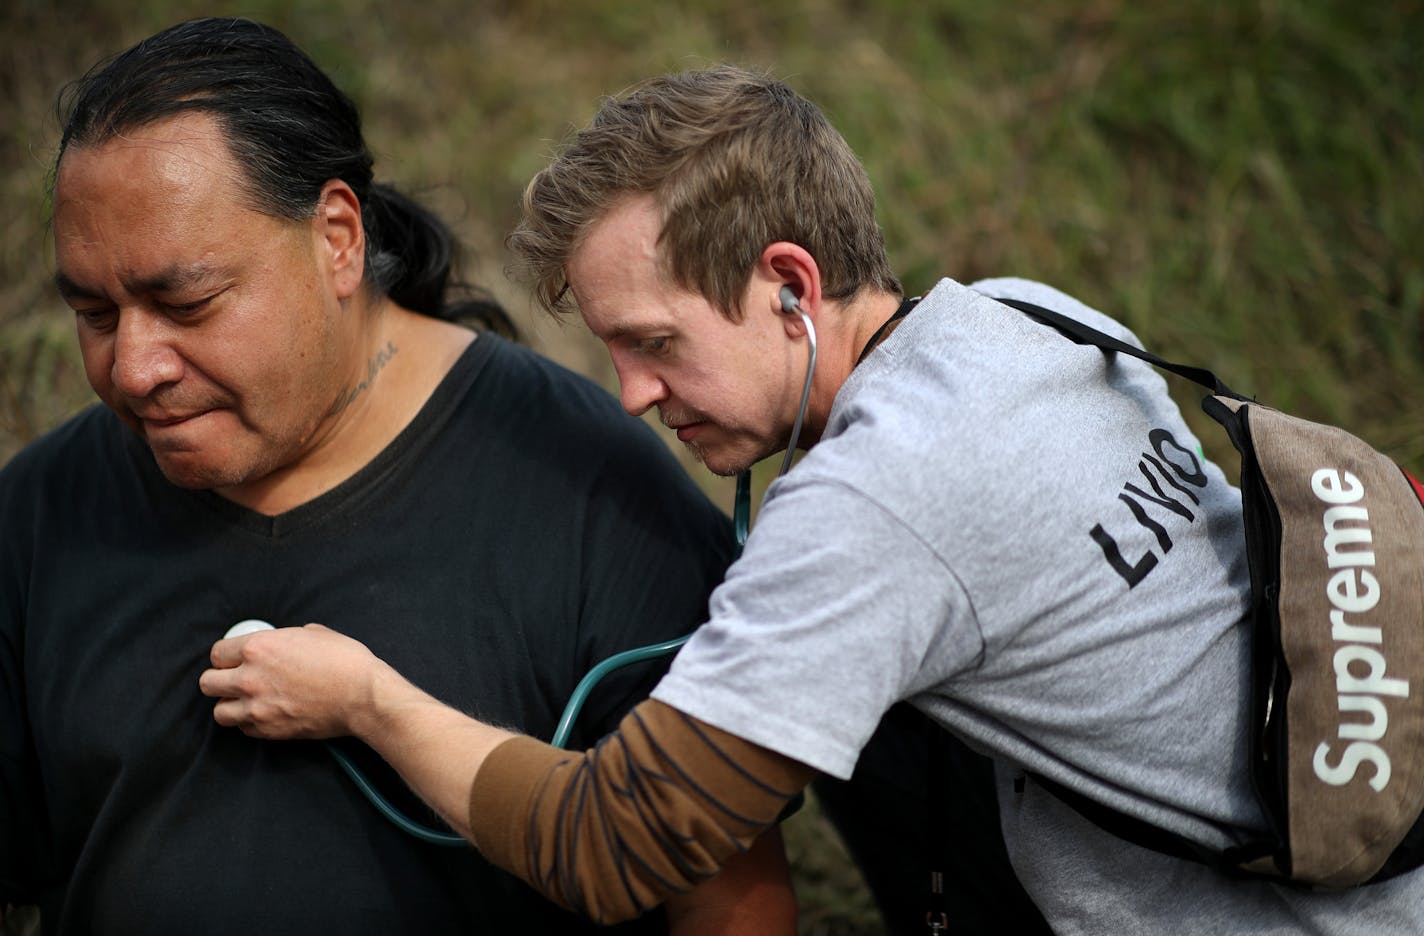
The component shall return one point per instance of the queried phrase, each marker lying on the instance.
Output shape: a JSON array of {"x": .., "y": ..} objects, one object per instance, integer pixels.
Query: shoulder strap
[
  {"x": 1083, "y": 334},
  {"x": 906, "y": 306},
  {"x": 1231, "y": 861}
]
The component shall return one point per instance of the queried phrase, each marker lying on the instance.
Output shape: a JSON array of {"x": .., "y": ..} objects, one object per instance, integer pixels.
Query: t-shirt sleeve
[{"x": 835, "y": 611}]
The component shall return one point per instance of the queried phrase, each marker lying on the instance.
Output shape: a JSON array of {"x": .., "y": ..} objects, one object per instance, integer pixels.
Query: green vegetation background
[{"x": 1242, "y": 183}]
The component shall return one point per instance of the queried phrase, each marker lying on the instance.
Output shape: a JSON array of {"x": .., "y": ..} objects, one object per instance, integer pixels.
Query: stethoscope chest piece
[{"x": 249, "y": 626}]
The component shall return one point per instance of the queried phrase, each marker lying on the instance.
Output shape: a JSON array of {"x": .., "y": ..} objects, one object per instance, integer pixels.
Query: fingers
[
  {"x": 229, "y": 713},
  {"x": 237, "y": 713},
  {"x": 218, "y": 683},
  {"x": 286, "y": 683},
  {"x": 228, "y": 651},
  {"x": 244, "y": 704},
  {"x": 227, "y": 655}
]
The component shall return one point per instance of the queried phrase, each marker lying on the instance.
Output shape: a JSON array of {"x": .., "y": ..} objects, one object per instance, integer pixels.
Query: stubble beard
[
  {"x": 202, "y": 471},
  {"x": 241, "y": 456},
  {"x": 730, "y": 462},
  {"x": 730, "y": 465}
]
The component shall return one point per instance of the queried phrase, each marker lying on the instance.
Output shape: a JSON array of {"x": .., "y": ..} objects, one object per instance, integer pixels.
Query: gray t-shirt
[{"x": 1021, "y": 536}]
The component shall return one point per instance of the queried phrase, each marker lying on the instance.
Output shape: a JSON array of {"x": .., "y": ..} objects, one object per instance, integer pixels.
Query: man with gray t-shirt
[{"x": 1014, "y": 533}]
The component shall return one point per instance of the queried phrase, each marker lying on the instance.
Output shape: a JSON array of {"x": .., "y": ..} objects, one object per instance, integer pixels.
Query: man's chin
[
  {"x": 720, "y": 461},
  {"x": 192, "y": 479},
  {"x": 194, "y": 473}
]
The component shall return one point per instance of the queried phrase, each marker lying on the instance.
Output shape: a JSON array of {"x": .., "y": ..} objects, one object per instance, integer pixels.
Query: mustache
[
  {"x": 164, "y": 400},
  {"x": 673, "y": 418}
]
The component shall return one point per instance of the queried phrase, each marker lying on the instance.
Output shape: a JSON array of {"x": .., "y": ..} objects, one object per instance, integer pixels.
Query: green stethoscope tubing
[
  {"x": 384, "y": 806},
  {"x": 741, "y": 526},
  {"x": 741, "y": 523}
]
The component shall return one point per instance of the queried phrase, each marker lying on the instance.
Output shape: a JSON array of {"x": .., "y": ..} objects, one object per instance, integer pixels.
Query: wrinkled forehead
[{"x": 159, "y": 208}]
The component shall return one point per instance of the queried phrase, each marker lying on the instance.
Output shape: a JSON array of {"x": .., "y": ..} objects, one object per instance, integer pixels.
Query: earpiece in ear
[{"x": 789, "y": 302}]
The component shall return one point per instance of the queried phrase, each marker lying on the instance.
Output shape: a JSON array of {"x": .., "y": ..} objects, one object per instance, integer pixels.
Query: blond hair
[{"x": 735, "y": 161}]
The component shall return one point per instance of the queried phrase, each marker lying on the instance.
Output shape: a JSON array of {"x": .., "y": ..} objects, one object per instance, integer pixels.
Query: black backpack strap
[
  {"x": 1084, "y": 334},
  {"x": 906, "y": 306},
  {"x": 1128, "y": 828},
  {"x": 940, "y": 841},
  {"x": 1146, "y": 835}
]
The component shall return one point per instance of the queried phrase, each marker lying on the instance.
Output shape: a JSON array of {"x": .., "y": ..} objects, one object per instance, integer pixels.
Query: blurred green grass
[{"x": 1242, "y": 183}]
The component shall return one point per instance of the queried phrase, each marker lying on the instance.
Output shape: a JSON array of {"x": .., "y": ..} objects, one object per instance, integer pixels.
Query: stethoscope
[{"x": 741, "y": 526}]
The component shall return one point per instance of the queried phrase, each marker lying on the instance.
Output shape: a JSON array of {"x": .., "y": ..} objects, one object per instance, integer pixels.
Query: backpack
[{"x": 1335, "y": 546}]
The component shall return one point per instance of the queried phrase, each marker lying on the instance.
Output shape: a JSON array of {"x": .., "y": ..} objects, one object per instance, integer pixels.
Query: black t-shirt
[{"x": 520, "y": 530}]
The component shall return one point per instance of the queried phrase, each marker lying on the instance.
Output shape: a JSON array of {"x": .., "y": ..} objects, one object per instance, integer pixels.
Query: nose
[
  {"x": 144, "y": 356},
  {"x": 639, "y": 388}
]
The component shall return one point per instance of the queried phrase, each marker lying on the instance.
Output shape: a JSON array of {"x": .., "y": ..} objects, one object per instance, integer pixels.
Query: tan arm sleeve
[{"x": 655, "y": 808}]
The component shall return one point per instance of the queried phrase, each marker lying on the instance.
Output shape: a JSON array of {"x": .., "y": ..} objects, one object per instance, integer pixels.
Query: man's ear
[
  {"x": 342, "y": 235},
  {"x": 792, "y": 281}
]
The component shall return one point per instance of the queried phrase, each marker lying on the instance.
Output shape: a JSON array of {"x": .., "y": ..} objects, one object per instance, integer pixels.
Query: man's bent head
[
  {"x": 214, "y": 213},
  {"x": 734, "y": 161}
]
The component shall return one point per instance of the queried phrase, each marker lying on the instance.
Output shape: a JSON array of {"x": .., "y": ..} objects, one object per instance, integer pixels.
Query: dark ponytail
[
  {"x": 291, "y": 131},
  {"x": 411, "y": 256}
]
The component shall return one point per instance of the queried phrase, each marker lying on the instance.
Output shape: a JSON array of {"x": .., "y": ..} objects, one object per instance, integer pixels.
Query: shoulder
[
  {"x": 962, "y": 348},
  {"x": 524, "y": 381},
  {"x": 1025, "y": 290},
  {"x": 74, "y": 446},
  {"x": 970, "y": 393},
  {"x": 62, "y": 476},
  {"x": 568, "y": 423},
  {"x": 565, "y": 410}
]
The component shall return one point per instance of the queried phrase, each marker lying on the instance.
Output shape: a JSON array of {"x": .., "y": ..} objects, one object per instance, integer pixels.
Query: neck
[
  {"x": 842, "y": 331},
  {"x": 401, "y": 361}
]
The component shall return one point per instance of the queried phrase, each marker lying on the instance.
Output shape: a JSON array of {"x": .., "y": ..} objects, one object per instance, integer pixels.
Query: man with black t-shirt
[{"x": 296, "y": 429}]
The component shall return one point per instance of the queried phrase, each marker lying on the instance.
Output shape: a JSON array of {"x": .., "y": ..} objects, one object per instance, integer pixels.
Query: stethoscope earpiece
[{"x": 789, "y": 303}]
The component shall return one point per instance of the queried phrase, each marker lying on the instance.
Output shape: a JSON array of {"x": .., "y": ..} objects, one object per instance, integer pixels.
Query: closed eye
[
  {"x": 180, "y": 310},
  {"x": 187, "y": 308},
  {"x": 655, "y": 345},
  {"x": 99, "y": 318}
]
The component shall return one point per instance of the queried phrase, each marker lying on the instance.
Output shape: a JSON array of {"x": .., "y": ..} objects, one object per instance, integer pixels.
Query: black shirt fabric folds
[{"x": 519, "y": 531}]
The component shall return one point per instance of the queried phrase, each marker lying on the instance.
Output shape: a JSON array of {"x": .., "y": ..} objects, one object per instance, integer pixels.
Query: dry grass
[{"x": 1242, "y": 183}]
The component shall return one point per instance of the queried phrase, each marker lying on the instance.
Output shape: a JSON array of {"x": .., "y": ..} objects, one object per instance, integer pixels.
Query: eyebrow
[
  {"x": 620, "y": 330},
  {"x": 173, "y": 279},
  {"x": 68, "y": 288}
]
